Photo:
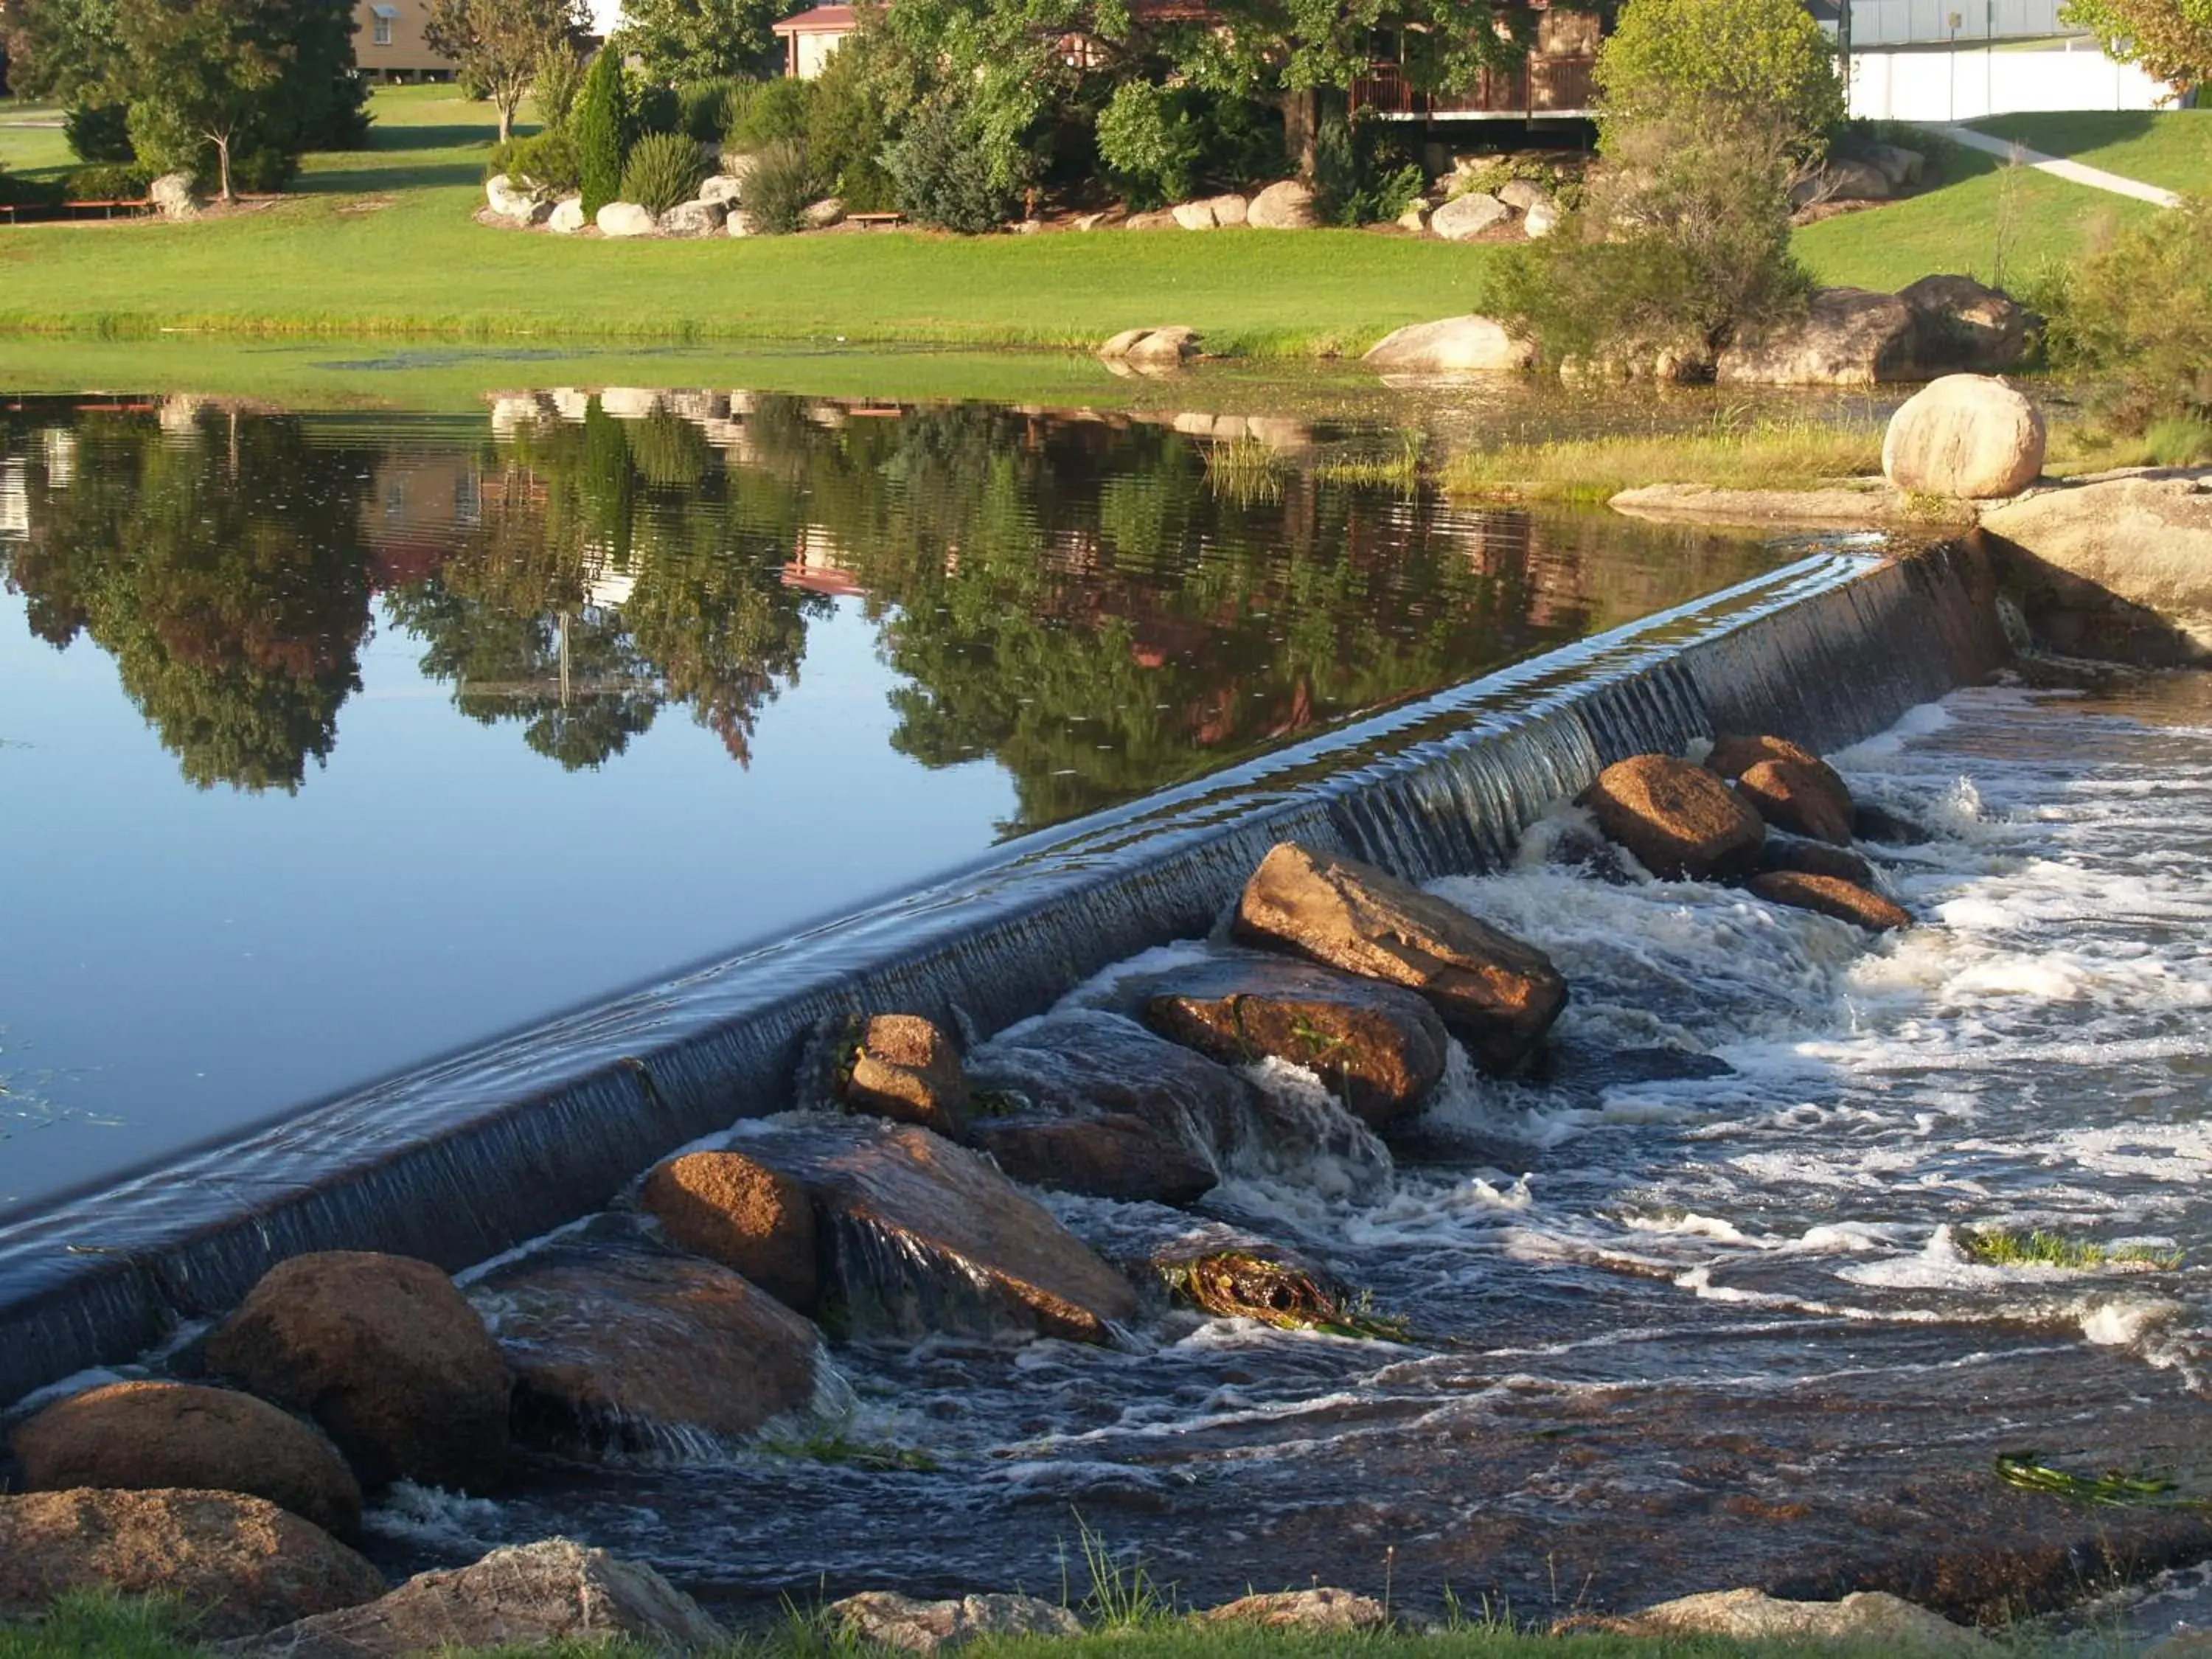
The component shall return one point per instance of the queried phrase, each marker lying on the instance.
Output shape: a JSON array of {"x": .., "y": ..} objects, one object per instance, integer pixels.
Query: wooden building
[{"x": 389, "y": 45}]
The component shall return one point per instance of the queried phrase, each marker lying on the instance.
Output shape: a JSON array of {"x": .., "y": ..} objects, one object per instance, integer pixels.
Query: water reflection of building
[
  {"x": 817, "y": 564},
  {"x": 14, "y": 503},
  {"x": 415, "y": 500}
]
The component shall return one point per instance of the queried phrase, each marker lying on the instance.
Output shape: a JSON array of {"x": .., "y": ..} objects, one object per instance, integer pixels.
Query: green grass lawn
[
  {"x": 2171, "y": 148},
  {"x": 381, "y": 242},
  {"x": 31, "y": 141}
]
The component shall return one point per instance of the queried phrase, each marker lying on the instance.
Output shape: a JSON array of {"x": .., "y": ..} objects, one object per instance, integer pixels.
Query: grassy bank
[
  {"x": 1732, "y": 452},
  {"x": 2170, "y": 148},
  {"x": 95, "y": 1627},
  {"x": 381, "y": 242}
]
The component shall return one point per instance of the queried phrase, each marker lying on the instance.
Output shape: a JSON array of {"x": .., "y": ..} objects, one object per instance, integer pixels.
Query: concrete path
[{"x": 2073, "y": 171}]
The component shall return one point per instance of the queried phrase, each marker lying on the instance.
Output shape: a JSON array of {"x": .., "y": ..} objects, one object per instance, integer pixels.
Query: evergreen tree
[{"x": 600, "y": 127}]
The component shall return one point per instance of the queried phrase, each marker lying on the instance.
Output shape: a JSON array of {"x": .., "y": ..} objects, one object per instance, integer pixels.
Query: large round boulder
[
  {"x": 731, "y": 1209},
  {"x": 567, "y": 217},
  {"x": 1454, "y": 345},
  {"x": 387, "y": 1355},
  {"x": 699, "y": 218},
  {"x": 1466, "y": 217},
  {"x": 1805, "y": 799},
  {"x": 906, "y": 1069},
  {"x": 625, "y": 219},
  {"x": 1288, "y": 205},
  {"x": 1847, "y": 337},
  {"x": 1680, "y": 820},
  {"x": 1968, "y": 436},
  {"x": 149, "y": 1436},
  {"x": 242, "y": 1565}
]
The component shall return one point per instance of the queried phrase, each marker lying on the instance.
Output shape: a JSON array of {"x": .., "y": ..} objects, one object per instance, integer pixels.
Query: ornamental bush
[
  {"x": 949, "y": 174},
  {"x": 663, "y": 169},
  {"x": 2136, "y": 314},
  {"x": 600, "y": 129},
  {"x": 1150, "y": 143},
  {"x": 98, "y": 132},
  {"x": 556, "y": 84},
  {"x": 1697, "y": 65},
  {"x": 547, "y": 158},
  {"x": 779, "y": 188},
  {"x": 774, "y": 110}
]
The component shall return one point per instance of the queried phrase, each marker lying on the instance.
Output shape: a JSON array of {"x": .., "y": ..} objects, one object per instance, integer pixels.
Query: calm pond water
[{"x": 330, "y": 743}]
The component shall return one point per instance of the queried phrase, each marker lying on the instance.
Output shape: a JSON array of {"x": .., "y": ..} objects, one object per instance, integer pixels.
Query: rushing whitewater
[{"x": 1668, "y": 1333}]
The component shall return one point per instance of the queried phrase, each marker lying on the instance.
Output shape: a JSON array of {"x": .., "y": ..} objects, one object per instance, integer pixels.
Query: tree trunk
[
  {"x": 1301, "y": 123},
  {"x": 509, "y": 103},
  {"x": 222, "y": 162}
]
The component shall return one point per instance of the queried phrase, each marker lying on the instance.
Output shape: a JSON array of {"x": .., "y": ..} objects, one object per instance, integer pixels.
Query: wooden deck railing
[{"x": 1539, "y": 86}]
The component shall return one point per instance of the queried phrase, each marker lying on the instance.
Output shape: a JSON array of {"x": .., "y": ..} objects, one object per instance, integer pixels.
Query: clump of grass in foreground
[
  {"x": 2040, "y": 1247},
  {"x": 1767, "y": 452}
]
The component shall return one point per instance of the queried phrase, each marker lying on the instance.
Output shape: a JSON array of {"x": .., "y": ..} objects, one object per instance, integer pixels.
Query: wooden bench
[
  {"x": 875, "y": 219},
  {"x": 16, "y": 212}
]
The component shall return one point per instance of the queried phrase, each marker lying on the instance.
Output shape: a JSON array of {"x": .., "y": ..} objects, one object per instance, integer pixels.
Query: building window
[{"x": 381, "y": 33}]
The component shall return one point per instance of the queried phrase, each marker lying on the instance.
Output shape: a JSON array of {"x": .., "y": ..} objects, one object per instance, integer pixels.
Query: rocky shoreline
[{"x": 706, "y": 1306}]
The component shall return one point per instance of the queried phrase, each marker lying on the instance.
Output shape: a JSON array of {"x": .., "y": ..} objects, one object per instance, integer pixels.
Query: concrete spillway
[{"x": 463, "y": 1160}]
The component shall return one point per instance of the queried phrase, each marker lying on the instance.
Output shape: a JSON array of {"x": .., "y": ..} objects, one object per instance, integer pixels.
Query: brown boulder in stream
[
  {"x": 1814, "y": 858},
  {"x": 387, "y": 1355},
  {"x": 726, "y": 1207},
  {"x": 1680, "y": 821},
  {"x": 1827, "y": 896},
  {"x": 926, "y": 1237},
  {"x": 632, "y": 1347},
  {"x": 1806, "y": 801},
  {"x": 1735, "y": 753},
  {"x": 907, "y": 1069},
  {"x": 1378, "y": 1046},
  {"x": 1498, "y": 994},
  {"x": 146, "y": 1437},
  {"x": 1091, "y": 1103},
  {"x": 522, "y": 1597},
  {"x": 243, "y": 1565}
]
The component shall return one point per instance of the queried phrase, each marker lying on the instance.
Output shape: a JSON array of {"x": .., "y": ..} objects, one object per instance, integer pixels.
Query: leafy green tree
[
  {"x": 700, "y": 39},
  {"x": 601, "y": 129},
  {"x": 499, "y": 44},
  {"x": 61, "y": 48},
  {"x": 556, "y": 82},
  {"x": 1763, "y": 68},
  {"x": 2170, "y": 40}
]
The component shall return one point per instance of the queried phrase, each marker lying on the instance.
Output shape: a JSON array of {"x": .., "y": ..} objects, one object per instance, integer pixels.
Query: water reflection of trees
[
  {"x": 218, "y": 566},
  {"x": 1073, "y": 598}
]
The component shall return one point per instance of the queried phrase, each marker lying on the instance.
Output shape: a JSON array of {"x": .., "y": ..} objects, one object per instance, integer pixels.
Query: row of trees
[
  {"x": 1087, "y": 607},
  {"x": 252, "y": 84}
]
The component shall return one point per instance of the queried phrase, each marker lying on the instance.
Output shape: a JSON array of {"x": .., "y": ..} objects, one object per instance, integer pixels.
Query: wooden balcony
[{"x": 1544, "y": 87}]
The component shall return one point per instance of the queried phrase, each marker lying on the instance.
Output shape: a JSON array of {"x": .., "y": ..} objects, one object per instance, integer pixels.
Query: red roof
[{"x": 821, "y": 20}]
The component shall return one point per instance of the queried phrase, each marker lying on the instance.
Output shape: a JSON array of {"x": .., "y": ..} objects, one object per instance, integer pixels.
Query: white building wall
[
  {"x": 1931, "y": 22},
  {"x": 1967, "y": 85}
]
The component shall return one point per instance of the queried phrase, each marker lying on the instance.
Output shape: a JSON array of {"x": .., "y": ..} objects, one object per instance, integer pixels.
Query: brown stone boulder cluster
[
  {"x": 695, "y": 1313},
  {"x": 1760, "y": 811}
]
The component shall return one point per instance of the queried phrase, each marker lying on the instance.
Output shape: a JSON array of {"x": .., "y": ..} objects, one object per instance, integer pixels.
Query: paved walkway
[{"x": 2057, "y": 167}]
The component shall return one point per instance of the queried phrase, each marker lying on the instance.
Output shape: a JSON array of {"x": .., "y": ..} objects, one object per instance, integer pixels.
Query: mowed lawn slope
[
  {"x": 382, "y": 241},
  {"x": 2170, "y": 148}
]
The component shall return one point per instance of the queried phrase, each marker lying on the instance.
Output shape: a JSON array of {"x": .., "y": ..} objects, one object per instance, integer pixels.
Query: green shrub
[
  {"x": 1150, "y": 143},
  {"x": 948, "y": 174},
  {"x": 2179, "y": 440},
  {"x": 702, "y": 107},
  {"x": 654, "y": 108},
  {"x": 2137, "y": 314},
  {"x": 847, "y": 129},
  {"x": 556, "y": 84},
  {"x": 1364, "y": 174},
  {"x": 1699, "y": 65},
  {"x": 663, "y": 169},
  {"x": 773, "y": 109},
  {"x": 25, "y": 192},
  {"x": 98, "y": 132},
  {"x": 600, "y": 128},
  {"x": 1681, "y": 243},
  {"x": 778, "y": 187},
  {"x": 547, "y": 158},
  {"x": 111, "y": 181}
]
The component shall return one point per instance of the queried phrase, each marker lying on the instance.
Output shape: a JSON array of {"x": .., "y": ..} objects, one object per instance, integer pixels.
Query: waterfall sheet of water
[
  {"x": 462, "y": 1161},
  {"x": 1668, "y": 1335}
]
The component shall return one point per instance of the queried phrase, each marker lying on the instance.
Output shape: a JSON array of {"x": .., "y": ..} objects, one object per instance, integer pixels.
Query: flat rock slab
[
  {"x": 1381, "y": 1046},
  {"x": 147, "y": 1435},
  {"x": 924, "y": 1236},
  {"x": 1863, "y": 1619},
  {"x": 1498, "y": 994},
  {"x": 243, "y": 1565},
  {"x": 1091, "y": 1103},
  {"x": 525, "y": 1596},
  {"x": 1860, "y": 504},
  {"x": 1329, "y": 1611},
  {"x": 627, "y": 1347},
  {"x": 907, "y": 1625},
  {"x": 2119, "y": 566}
]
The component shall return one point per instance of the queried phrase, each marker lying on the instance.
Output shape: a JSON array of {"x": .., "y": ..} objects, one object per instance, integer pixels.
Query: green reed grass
[
  {"x": 1735, "y": 451},
  {"x": 2041, "y": 1247}
]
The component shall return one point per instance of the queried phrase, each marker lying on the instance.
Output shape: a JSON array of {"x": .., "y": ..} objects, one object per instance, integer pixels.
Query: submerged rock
[
  {"x": 1380, "y": 1046},
  {"x": 1680, "y": 820},
  {"x": 1814, "y": 858},
  {"x": 907, "y": 1069},
  {"x": 624, "y": 1346},
  {"x": 1805, "y": 800},
  {"x": 387, "y": 1355},
  {"x": 730, "y": 1209},
  {"x": 1094, "y": 1104},
  {"x": 1329, "y": 1611},
  {"x": 1499, "y": 995},
  {"x": 523, "y": 1596},
  {"x": 900, "y": 1622},
  {"x": 1751, "y": 1615},
  {"x": 243, "y": 1565},
  {"x": 150, "y": 1435},
  {"x": 1829, "y": 897},
  {"x": 924, "y": 1236}
]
